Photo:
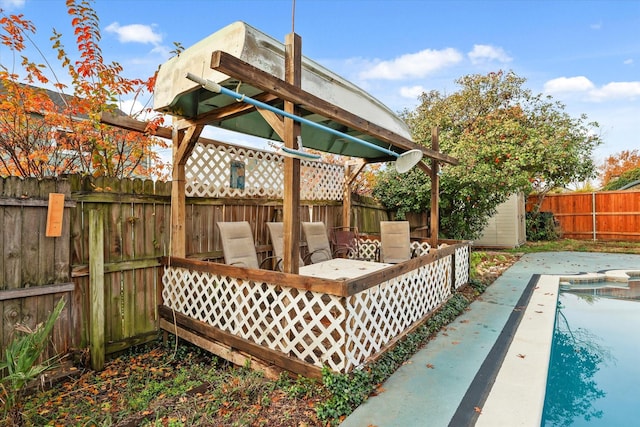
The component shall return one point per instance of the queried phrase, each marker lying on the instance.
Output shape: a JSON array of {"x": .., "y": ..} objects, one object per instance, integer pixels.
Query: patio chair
[
  {"x": 345, "y": 242},
  {"x": 276, "y": 233},
  {"x": 238, "y": 246},
  {"x": 395, "y": 242},
  {"x": 318, "y": 246}
]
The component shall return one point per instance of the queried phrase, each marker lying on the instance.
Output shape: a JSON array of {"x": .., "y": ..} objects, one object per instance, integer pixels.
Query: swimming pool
[{"x": 594, "y": 374}]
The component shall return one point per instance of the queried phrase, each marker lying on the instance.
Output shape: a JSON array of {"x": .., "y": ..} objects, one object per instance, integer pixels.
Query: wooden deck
[{"x": 300, "y": 323}]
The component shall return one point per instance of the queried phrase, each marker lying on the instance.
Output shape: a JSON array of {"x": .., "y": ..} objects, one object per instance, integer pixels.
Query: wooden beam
[
  {"x": 221, "y": 350},
  {"x": 176, "y": 319},
  {"x": 34, "y": 291},
  {"x": 233, "y": 110},
  {"x": 184, "y": 141},
  {"x": 275, "y": 121},
  {"x": 131, "y": 124},
  {"x": 236, "y": 68},
  {"x": 306, "y": 283}
]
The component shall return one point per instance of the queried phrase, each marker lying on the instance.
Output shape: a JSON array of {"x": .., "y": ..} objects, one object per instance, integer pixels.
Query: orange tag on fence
[{"x": 54, "y": 215}]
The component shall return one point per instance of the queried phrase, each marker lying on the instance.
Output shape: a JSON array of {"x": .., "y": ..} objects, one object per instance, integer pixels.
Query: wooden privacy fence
[
  {"x": 607, "y": 215},
  {"x": 120, "y": 228}
]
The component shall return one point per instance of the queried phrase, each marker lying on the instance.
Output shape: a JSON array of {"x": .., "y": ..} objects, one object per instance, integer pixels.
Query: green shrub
[{"x": 542, "y": 226}]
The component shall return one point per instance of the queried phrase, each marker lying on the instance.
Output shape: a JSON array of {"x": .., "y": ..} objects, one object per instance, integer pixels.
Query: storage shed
[{"x": 507, "y": 228}]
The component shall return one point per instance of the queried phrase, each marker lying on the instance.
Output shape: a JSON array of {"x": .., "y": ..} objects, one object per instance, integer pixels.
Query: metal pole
[{"x": 593, "y": 214}]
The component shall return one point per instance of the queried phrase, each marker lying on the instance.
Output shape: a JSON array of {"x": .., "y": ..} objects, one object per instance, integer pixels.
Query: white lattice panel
[
  {"x": 209, "y": 170},
  {"x": 302, "y": 324},
  {"x": 367, "y": 249},
  {"x": 379, "y": 314},
  {"x": 421, "y": 248},
  {"x": 462, "y": 266}
]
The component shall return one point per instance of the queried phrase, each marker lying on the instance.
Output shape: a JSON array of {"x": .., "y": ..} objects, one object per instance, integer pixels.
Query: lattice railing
[
  {"x": 462, "y": 255},
  {"x": 226, "y": 171},
  {"x": 320, "y": 329},
  {"x": 303, "y": 324},
  {"x": 368, "y": 249},
  {"x": 381, "y": 313}
]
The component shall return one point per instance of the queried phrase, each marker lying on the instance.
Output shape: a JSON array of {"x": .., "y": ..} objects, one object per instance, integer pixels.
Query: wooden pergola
[
  {"x": 298, "y": 322},
  {"x": 186, "y": 132}
]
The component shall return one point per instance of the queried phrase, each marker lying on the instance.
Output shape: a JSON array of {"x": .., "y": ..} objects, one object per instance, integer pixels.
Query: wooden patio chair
[
  {"x": 276, "y": 233},
  {"x": 395, "y": 242},
  {"x": 318, "y": 246},
  {"x": 345, "y": 242},
  {"x": 238, "y": 246}
]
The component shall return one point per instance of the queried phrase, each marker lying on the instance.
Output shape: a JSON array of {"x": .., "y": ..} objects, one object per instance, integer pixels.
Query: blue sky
[{"x": 585, "y": 54}]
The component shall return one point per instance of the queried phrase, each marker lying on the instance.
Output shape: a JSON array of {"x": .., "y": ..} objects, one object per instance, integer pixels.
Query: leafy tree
[
  {"x": 618, "y": 164},
  {"x": 43, "y": 133},
  {"x": 626, "y": 178},
  {"x": 506, "y": 139}
]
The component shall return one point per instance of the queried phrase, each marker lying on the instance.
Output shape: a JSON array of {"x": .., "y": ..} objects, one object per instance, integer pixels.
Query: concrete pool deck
[{"x": 448, "y": 383}]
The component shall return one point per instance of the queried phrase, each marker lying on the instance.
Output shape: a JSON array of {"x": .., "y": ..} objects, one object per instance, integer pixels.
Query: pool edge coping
[{"x": 517, "y": 395}]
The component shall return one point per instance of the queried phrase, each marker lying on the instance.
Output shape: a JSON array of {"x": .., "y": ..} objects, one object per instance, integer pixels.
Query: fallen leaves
[
  {"x": 430, "y": 366},
  {"x": 521, "y": 356}
]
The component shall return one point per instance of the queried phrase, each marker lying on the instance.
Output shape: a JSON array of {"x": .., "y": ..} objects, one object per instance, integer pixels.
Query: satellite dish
[{"x": 407, "y": 160}]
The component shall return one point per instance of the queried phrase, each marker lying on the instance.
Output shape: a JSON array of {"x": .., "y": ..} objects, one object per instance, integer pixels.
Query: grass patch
[{"x": 578, "y": 246}]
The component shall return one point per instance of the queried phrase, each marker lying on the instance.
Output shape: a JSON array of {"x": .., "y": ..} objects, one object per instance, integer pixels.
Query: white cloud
[
  {"x": 411, "y": 92},
  {"x": 596, "y": 26},
  {"x": 628, "y": 61},
  {"x": 135, "y": 33},
  {"x": 581, "y": 84},
  {"x": 11, "y": 4},
  {"x": 568, "y": 84},
  {"x": 415, "y": 65},
  {"x": 482, "y": 53},
  {"x": 617, "y": 90}
]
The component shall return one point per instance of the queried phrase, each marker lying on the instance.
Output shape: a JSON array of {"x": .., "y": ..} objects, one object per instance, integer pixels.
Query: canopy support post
[
  {"x": 352, "y": 170},
  {"x": 183, "y": 143},
  {"x": 435, "y": 191},
  {"x": 292, "y": 130}
]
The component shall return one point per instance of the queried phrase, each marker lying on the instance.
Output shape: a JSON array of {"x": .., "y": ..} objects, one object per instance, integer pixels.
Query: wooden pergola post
[
  {"x": 183, "y": 143},
  {"x": 352, "y": 170},
  {"x": 292, "y": 130},
  {"x": 435, "y": 192}
]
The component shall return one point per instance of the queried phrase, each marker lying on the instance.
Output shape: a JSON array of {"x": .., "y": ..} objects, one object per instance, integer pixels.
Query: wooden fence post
[{"x": 96, "y": 288}]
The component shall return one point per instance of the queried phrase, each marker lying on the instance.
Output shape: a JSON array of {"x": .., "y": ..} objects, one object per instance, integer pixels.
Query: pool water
[{"x": 594, "y": 370}]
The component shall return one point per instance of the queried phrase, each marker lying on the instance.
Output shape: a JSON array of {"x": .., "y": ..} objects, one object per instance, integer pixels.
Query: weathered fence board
[
  {"x": 34, "y": 268},
  {"x": 606, "y": 215}
]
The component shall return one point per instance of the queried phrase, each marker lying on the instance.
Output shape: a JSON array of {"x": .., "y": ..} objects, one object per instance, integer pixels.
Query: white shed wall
[{"x": 507, "y": 228}]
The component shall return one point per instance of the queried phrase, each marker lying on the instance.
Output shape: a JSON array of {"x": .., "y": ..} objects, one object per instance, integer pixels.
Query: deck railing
[{"x": 302, "y": 323}]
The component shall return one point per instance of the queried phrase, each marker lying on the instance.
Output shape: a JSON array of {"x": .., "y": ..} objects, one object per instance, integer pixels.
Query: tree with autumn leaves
[
  {"x": 507, "y": 140},
  {"x": 53, "y": 132},
  {"x": 620, "y": 169}
]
